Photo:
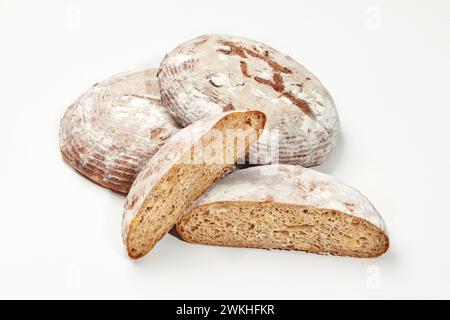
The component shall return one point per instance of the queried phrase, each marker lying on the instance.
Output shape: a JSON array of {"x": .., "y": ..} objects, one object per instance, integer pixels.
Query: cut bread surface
[
  {"x": 286, "y": 207},
  {"x": 180, "y": 173},
  {"x": 282, "y": 226}
]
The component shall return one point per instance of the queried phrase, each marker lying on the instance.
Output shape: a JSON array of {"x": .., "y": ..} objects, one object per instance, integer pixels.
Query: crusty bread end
[{"x": 157, "y": 201}]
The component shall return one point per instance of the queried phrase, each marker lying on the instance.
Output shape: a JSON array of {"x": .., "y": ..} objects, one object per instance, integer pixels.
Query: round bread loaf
[
  {"x": 113, "y": 129},
  {"x": 216, "y": 73}
]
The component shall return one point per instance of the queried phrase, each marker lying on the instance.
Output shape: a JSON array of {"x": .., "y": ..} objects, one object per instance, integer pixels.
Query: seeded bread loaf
[
  {"x": 286, "y": 207},
  {"x": 113, "y": 129},
  {"x": 216, "y": 73},
  {"x": 182, "y": 170}
]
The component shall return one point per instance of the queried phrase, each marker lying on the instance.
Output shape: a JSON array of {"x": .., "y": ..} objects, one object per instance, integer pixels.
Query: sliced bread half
[
  {"x": 286, "y": 207},
  {"x": 182, "y": 170}
]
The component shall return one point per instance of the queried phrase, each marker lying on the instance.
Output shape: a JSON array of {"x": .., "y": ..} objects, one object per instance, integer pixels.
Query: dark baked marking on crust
[
  {"x": 272, "y": 63},
  {"x": 244, "y": 69},
  {"x": 277, "y": 83},
  {"x": 302, "y": 104},
  {"x": 234, "y": 49},
  {"x": 242, "y": 52}
]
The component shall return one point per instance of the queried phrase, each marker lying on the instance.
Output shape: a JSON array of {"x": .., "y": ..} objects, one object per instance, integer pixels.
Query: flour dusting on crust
[
  {"x": 113, "y": 129},
  {"x": 291, "y": 184},
  {"x": 216, "y": 73}
]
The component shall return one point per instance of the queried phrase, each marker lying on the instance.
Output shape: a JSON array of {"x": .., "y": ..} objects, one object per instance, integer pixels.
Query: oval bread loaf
[
  {"x": 182, "y": 170},
  {"x": 216, "y": 73},
  {"x": 113, "y": 129},
  {"x": 286, "y": 207}
]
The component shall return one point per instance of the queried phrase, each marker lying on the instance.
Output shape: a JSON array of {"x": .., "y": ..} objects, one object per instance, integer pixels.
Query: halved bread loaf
[
  {"x": 286, "y": 207},
  {"x": 182, "y": 170}
]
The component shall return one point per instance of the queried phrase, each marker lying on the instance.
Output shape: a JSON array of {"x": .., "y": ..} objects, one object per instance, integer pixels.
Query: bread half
[
  {"x": 286, "y": 207},
  {"x": 182, "y": 170}
]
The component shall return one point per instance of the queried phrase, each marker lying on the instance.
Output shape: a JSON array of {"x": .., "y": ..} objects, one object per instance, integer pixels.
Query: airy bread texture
[
  {"x": 183, "y": 169},
  {"x": 215, "y": 73},
  {"x": 286, "y": 207},
  {"x": 115, "y": 127}
]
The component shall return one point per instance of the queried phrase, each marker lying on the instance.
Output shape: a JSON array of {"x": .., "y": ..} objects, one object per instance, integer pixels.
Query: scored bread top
[
  {"x": 292, "y": 185},
  {"x": 215, "y": 73},
  {"x": 113, "y": 129},
  {"x": 168, "y": 156}
]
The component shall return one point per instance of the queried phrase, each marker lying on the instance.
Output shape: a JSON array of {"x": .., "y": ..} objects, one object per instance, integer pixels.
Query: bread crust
[
  {"x": 288, "y": 185},
  {"x": 215, "y": 73},
  {"x": 115, "y": 127}
]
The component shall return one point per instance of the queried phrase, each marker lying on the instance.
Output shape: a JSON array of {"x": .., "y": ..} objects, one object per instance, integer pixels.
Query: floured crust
[
  {"x": 216, "y": 73},
  {"x": 164, "y": 165},
  {"x": 113, "y": 129},
  {"x": 292, "y": 186}
]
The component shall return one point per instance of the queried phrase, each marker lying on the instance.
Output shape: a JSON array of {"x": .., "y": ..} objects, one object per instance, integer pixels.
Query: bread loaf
[
  {"x": 182, "y": 170},
  {"x": 216, "y": 73},
  {"x": 286, "y": 207},
  {"x": 113, "y": 129}
]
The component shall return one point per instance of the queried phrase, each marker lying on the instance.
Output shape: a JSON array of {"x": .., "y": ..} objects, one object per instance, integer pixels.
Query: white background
[{"x": 387, "y": 65}]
